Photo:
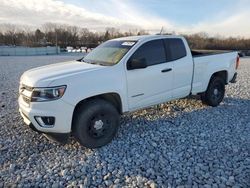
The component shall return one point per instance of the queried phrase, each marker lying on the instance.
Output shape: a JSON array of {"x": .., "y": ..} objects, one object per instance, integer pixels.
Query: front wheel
[
  {"x": 214, "y": 93},
  {"x": 96, "y": 123}
]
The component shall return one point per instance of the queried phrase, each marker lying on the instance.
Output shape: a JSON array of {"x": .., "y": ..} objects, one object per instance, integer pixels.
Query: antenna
[{"x": 161, "y": 30}]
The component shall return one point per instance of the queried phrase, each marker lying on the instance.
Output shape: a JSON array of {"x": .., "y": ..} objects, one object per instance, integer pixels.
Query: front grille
[
  {"x": 23, "y": 90},
  {"x": 25, "y": 115},
  {"x": 26, "y": 99},
  {"x": 25, "y": 87}
]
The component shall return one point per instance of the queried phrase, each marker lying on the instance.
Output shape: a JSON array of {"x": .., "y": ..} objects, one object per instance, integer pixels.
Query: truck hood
[{"x": 43, "y": 76}]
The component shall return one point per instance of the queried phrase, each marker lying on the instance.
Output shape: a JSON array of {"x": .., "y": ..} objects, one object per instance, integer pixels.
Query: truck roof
[{"x": 146, "y": 37}]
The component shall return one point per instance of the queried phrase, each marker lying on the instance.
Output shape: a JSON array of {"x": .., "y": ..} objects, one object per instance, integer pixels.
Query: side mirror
[{"x": 137, "y": 64}]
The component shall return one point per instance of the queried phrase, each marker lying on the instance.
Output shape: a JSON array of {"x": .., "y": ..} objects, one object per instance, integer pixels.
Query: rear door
[
  {"x": 152, "y": 84},
  {"x": 182, "y": 66}
]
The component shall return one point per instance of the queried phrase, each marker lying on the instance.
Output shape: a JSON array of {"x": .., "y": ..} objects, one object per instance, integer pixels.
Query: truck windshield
[{"x": 109, "y": 53}]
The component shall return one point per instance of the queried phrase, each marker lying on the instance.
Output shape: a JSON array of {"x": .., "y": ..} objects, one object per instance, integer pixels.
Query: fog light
[{"x": 45, "y": 121}]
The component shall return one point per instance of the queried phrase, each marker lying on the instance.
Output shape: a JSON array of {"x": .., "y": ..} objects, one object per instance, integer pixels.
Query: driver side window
[{"x": 153, "y": 52}]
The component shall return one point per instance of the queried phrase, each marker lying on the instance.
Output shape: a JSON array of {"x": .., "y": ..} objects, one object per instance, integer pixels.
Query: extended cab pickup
[{"x": 86, "y": 97}]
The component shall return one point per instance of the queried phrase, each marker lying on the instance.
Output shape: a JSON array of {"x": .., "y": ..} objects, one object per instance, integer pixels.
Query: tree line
[
  {"x": 203, "y": 41},
  {"x": 51, "y": 34}
]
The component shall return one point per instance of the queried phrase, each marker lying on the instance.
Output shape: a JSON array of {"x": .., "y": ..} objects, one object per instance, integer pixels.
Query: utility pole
[{"x": 56, "y": 41}]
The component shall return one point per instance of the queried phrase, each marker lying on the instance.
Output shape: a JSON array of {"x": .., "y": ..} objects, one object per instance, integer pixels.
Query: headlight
[{"x": 47, "y": 94}]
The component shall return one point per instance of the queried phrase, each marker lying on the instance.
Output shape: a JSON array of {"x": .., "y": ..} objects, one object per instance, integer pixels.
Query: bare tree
[{"x": 66, "y": 35}]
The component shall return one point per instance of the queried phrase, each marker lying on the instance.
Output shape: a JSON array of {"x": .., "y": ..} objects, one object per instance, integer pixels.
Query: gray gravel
[{"x": 178, "y": 144}]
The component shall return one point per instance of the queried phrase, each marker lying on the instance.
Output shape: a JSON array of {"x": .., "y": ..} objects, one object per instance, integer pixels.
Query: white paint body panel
[
  {"x": 86, "y": 80},
  {"x": 206, "y": 66},
  {"x": 149, "y": 86}
]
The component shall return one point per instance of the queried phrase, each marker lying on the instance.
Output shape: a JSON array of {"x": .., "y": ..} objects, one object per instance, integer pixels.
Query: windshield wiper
[
  {"x": 80, "y": 60},
  {"x": 102, "y": 64},
  {"x": 94, "y": 63}
]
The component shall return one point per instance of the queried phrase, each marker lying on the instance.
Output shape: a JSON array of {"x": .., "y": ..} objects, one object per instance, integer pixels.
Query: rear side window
[
  {"x": 152, "y": 51},
  {"x": 175, "y": 49}
]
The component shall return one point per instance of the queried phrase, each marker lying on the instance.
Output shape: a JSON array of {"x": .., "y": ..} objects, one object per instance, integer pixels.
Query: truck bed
[
  {"x": 207, "y": 63},
  {"x": 198, "y": 53}
]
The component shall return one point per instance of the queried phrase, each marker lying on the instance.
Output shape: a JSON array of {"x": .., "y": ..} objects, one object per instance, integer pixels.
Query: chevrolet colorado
[{"x": 85, "y": 97}]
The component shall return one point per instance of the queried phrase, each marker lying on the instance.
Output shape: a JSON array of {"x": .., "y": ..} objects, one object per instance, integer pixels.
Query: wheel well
[
  {"x": 220, "y": 74},
  {"x": 113, "y": 98}
]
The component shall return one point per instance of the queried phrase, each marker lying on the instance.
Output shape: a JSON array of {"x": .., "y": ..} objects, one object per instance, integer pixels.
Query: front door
[{"x": 153, "y": 84}]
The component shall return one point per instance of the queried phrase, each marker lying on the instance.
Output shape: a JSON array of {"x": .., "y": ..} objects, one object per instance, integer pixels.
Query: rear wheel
[
  {"x": 214, "y": 93},
  {"x": 96, "y": 123}
]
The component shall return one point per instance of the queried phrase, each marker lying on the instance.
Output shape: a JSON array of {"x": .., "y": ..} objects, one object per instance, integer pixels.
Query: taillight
[{"x": 237, "y": 62}]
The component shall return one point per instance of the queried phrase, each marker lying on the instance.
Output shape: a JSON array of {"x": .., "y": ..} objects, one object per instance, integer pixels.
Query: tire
[
  {"x": 96, "y": 123},
  {"x": 214, "y": 93}
]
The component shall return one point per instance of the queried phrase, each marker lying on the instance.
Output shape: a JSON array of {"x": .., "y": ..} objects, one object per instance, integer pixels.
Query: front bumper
[
  {"x": 59, "y": 109},
  {"x": 59, "y": 137}
]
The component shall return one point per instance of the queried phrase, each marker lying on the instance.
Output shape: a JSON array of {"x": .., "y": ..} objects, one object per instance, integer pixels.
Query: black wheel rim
[
  {"x": 217, "y": 93},
  {"x": 99, "y": 125}
]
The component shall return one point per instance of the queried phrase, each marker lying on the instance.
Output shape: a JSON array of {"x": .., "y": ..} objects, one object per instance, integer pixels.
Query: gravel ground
[{"x": 178, "y": 144}]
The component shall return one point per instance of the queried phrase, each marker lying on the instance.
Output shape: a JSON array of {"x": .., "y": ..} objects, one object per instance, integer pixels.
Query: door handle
[{"x": 166, "y": 70}]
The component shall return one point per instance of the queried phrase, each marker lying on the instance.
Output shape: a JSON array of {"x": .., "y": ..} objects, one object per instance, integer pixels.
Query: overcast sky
[{"x": 215, "y": 17}]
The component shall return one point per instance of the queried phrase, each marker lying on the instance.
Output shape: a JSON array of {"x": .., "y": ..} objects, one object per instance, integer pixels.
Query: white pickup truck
[{"x": 85, "y": 97}]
